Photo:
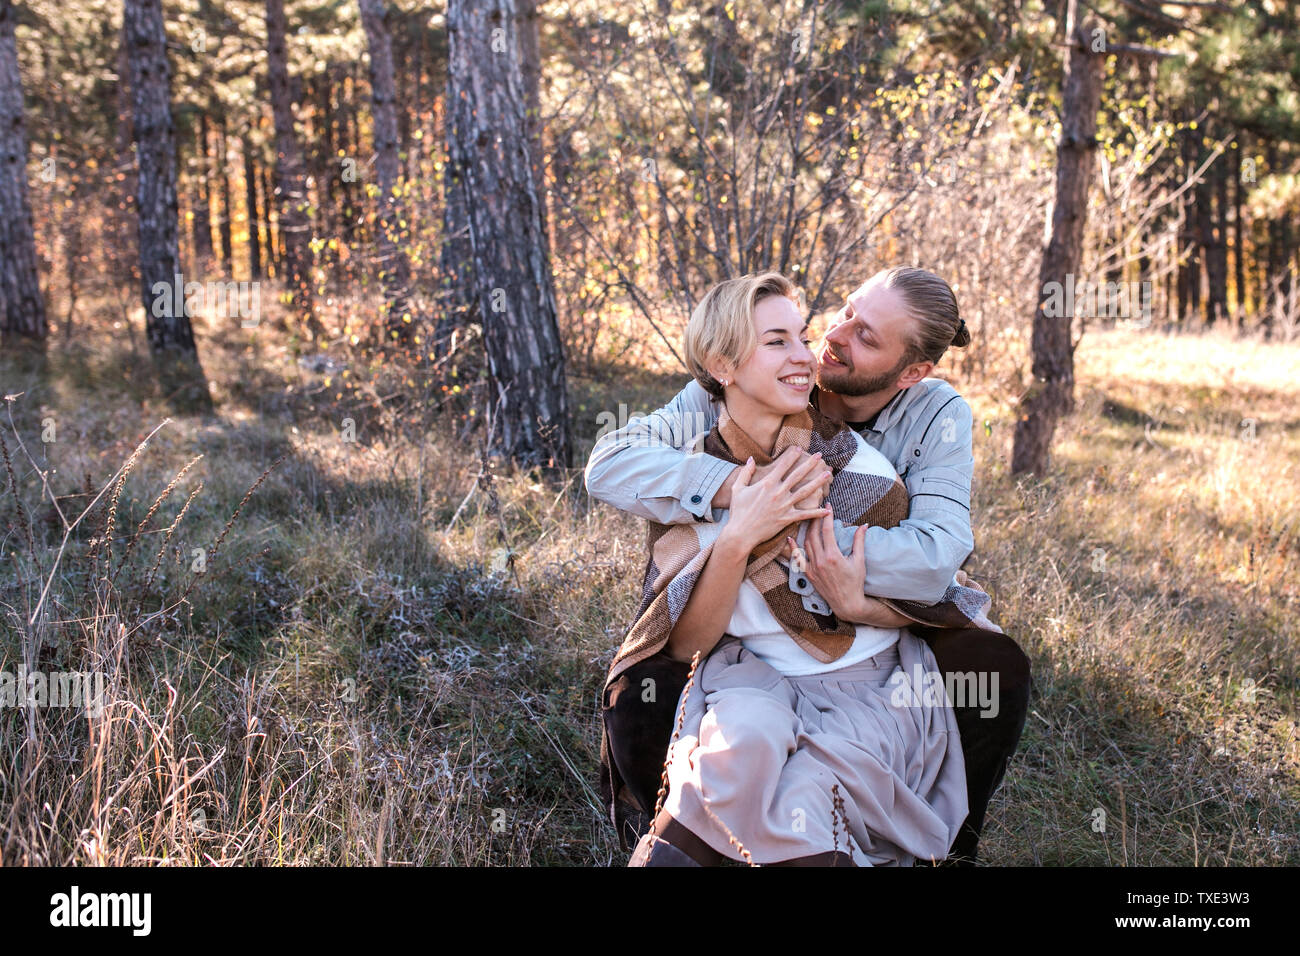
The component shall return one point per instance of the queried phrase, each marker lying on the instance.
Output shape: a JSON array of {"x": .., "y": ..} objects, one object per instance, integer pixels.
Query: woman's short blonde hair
[{"x": 722, "y": 325}]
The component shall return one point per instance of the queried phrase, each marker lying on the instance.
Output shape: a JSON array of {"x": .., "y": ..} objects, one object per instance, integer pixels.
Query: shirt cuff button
[{"x": 695, "y": 499}]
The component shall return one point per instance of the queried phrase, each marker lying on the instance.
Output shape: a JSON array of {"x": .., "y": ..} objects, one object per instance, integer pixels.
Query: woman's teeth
[{"x": 795, "y": 380}]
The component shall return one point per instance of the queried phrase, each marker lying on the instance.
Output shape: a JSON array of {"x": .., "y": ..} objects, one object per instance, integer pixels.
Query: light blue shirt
[{"x": 654, "y": 467}]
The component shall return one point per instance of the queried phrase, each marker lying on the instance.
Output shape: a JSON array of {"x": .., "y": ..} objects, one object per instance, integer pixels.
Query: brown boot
[
  {"x": 687, "y": 841},
  {"x": 652, "y": 851},
  {"x": 829, "y": 858},
  {"x": 676, "y": 838}
]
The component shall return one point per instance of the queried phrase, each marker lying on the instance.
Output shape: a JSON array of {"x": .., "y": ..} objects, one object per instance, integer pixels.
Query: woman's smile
[{"x": 799, "y": 381}]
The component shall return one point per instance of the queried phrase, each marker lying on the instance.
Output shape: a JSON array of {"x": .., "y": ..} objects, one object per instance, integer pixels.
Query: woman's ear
[{"x": 723, "y": 372}]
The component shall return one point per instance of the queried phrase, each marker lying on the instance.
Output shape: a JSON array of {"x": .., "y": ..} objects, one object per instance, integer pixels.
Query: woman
[{"x": 802, "y": 738}]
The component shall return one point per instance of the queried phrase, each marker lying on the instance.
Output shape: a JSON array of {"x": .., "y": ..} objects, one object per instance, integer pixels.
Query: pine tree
[
  {"x": 168, "y": 328},
  {"x": 393, "y": 263},
  {"x": 22, "y": 307},
  {"x": 290, "y": 181},
  {"x": 512, "y": 272}
]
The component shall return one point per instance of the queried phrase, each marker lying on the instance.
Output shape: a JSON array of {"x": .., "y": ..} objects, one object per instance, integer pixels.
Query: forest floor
[{"x": 376, "y": 666}]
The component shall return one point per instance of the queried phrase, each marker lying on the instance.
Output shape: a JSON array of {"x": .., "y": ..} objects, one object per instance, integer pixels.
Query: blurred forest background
[{"x": 314, "y": 503}]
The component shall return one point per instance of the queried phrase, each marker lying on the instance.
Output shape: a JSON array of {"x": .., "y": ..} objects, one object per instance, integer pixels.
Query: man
[{"x": 873, "y": 374}]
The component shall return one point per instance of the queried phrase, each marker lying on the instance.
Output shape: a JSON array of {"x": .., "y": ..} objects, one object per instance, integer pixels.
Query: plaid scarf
[{"x": 679, "y": 552}]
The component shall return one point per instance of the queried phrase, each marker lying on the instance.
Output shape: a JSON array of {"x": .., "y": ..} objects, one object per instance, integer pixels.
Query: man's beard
[{"x": 845, "y": 383}]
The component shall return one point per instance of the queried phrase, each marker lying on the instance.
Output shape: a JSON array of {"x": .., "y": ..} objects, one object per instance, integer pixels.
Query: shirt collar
[
  {"x": 890, "y": 414},
  {"x": 883, "y": 418}
]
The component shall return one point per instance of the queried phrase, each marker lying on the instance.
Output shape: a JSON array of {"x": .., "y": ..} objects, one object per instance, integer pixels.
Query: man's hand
[
  {"x": 811, "y": 490},
  {"x": 840, "y": 579},
  {"x": 763, "y": 507}
]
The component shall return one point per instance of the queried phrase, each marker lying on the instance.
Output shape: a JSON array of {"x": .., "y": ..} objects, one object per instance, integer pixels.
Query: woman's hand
[
  {"x": 782, "y": 463},
  {"x": 762, "y": 508},
  {"x": 840, "y": 579}
]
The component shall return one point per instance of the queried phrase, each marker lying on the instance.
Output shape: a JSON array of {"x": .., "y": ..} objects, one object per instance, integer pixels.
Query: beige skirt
[{"x": 866, "y": 759}]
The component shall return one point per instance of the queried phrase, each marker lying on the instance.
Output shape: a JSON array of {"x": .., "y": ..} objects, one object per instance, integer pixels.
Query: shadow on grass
[{"x": 1111, "y": 770}]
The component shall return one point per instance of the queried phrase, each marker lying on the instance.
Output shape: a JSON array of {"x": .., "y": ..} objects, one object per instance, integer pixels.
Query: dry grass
[
  {"x": 1153, "y": 580},
  {"x": 363, "y": 675}
]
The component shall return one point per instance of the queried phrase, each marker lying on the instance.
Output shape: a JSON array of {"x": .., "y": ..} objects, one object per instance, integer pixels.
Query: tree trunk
[
  {"x": 1261, "y": 241},
  {"x": 1051, "y": 395},
  {"x": 1239, "y": 259},
  {"x": 290, "y": 181},
  {"x": 155, "y": 138},
  {"x": 1276, "y": 260},
  {"x": 1188, "y": 260},
  {"x": 324, "y": 169},
  {"x": 1170, "y": 286},
  {"x": 162, "y": 290},
  {"x": 22, "y": 308},
  {"x": 531, "y": 65},
  {"x": 73, "y": 245},
  {"x": 1286, "y": 266},
  {"x": 346, "y": 149},
  {"x": 513, "y": 282},
  {"x": 203, "y": 251},
  {"x": 456, "y": 300},
  {"x": 1211, "y": 241},
  {"x": 327, "y": 169},
  {"x": 1219, "y": 284},
  {"x": 274, "y": 255},
  {"x": 227, "y": 207},
  {"x": 394, "y": 267},
  {"x": 254, "y": 218}
]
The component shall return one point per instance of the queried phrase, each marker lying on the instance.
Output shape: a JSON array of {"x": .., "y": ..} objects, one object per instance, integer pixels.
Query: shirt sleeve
[
  {"x": 652, "y": 467},
  {"x": 916, "y": 560}
]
